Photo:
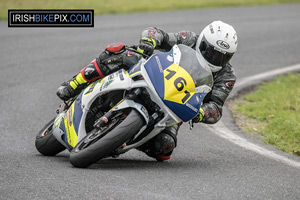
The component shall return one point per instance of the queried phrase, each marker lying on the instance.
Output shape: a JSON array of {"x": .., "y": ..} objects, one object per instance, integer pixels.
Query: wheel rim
[{"x": 96, "y": 135}]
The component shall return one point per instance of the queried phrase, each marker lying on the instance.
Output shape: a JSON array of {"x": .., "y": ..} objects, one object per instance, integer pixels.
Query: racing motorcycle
[{"x": 126, "y": 109}]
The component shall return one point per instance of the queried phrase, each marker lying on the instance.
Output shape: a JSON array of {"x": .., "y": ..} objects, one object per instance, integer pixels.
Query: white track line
[
  {"x": 259, "y": 78},
  {"x": 221, "y": 130}
]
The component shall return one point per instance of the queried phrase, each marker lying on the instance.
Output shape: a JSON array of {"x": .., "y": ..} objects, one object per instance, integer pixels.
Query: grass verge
[
  {"x": 273, "y": 111},
  {"x": 127, "y": 6}
]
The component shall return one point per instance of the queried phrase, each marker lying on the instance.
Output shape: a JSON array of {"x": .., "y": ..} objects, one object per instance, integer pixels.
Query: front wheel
[
  {"x": 101, "y": 143},
  {"x": 46, "y": 143}
]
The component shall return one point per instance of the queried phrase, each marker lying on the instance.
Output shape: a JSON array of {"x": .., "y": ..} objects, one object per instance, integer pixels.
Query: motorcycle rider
[{"x": 217, "y": 43}]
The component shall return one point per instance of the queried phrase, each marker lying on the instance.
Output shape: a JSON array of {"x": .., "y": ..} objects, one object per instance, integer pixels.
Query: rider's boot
[{"x": 71, "y": 88}]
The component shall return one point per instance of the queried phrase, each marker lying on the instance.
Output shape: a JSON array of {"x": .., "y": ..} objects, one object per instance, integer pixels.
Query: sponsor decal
[
  {"x": 144, "y": 110},
  {"x": 121, "y": 76},
  {"x": 50, "y": 18},
  {"x": 170, "y": 58},
  {"x": 91, "y": 88},
  {"x": 192, "y": 107},
  {"x": 110, "y": 77},
  {"x": 223, "y": 44},
  {"x": 211, "y": 28},
  {"x": 106, "y": 84},
  {"x": 159, "y": 64}
]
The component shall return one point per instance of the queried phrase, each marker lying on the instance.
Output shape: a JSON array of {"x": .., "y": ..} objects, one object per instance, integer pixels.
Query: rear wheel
[
  {"x": 46, "y": 143},
  {"x": 101, "y": 143}
]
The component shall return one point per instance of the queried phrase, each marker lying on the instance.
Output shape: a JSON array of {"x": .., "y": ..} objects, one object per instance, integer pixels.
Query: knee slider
[
  {"x": 164, "y": 144},
  {"x": 92, "y": 72}
]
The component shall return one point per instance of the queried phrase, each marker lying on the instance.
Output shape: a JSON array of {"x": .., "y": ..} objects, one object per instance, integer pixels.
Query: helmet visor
[{"x": 213, "y": 55}]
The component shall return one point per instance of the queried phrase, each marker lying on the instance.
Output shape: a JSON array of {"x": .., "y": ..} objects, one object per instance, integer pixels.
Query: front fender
[{"x": 125, "y": 103}]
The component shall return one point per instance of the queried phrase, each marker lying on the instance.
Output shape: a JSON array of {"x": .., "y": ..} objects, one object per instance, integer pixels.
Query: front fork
[
  {"x": 65, "y": 105},
  {"x": 111, "y": 113}
]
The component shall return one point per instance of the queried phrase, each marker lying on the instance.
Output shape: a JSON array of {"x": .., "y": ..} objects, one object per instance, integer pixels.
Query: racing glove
[
  {"x": 146, "y": 46},
  {"x": 199, "y": 117}
]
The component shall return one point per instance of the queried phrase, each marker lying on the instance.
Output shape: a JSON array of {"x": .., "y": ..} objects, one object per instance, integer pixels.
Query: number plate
[{"x": 179, "y": 86}]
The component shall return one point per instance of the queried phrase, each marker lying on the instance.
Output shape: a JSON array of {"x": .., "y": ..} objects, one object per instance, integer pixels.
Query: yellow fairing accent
[
  {"x": 126, "y": 73},
  {"x": 179, "y": 86},
  {"x": 134, "y": 74},
  {"x": 70, "y": 131},
  {"x": 58, "y": 120}
]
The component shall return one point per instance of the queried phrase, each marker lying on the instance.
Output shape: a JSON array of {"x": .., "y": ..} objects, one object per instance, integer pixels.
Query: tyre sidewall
[{"x": 48, "y": 144}]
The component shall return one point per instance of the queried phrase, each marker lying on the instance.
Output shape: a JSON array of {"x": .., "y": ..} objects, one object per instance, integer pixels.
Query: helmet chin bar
[
  {"x": 205, "y": 63},
  {"x": 214, "y": 68}
]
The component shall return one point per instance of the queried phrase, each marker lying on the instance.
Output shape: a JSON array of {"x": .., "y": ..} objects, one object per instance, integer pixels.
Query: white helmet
[{"x": 217, "y": 43}]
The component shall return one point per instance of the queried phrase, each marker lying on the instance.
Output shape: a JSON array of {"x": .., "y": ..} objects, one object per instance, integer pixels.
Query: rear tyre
[
  {"x": 46, "y": 143},
  {"x": 101, "y": 143}
]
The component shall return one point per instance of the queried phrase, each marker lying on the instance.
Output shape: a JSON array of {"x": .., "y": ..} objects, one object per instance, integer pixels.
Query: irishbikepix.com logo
[{"x": 50, "y": 18}]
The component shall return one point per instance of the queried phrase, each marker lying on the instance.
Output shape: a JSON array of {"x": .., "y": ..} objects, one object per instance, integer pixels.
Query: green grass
[
  {"x": 127, "y": 6},
  {"x": 274, "y": 112}
]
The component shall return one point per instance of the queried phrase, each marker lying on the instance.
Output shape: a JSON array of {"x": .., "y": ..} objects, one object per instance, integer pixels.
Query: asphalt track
[{"x": 205, "y": 165}]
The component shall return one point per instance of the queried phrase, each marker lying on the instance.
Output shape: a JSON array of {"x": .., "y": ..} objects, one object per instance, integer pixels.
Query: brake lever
[
  {"x": 132, "y": 48},
  {"x": 191, "y": 123}
]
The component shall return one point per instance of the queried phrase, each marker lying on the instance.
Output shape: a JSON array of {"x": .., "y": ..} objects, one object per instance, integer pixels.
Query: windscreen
[{"x": 190, "y": 61}]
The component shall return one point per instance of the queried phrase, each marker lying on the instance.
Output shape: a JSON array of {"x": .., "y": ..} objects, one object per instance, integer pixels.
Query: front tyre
[
  {"x": 101, "y": 143},
  {"x": 46, "y": 143}
]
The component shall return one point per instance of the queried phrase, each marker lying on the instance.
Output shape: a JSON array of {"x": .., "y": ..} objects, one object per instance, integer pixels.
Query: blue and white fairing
[{"x": 180, "y": 80}]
